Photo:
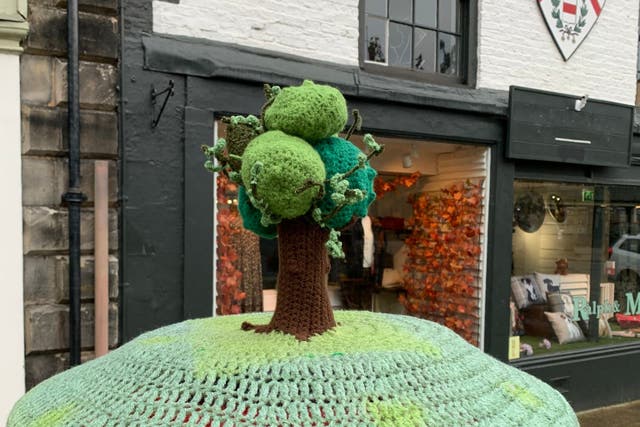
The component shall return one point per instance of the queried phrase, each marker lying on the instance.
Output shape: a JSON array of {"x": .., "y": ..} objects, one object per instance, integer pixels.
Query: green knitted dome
[
  {"x": 251, "y": 217},
  {"x": 371, "y": 370},
  {"x": 339, "y": 156},
  {"x": 309, "y": 111},
  {"x": 287, "y": 164}
]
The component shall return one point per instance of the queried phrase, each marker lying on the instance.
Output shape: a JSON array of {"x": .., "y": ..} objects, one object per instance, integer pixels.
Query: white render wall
[
  {"x": 516, "y": 48},
  {"x": 325, "y": 30},
  {"x": 11, "y": 307},
  {"x": 514, "y": 44}
]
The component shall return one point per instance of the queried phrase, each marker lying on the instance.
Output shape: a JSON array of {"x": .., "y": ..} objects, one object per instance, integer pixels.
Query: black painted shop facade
[{"x": 167, "y": 235}]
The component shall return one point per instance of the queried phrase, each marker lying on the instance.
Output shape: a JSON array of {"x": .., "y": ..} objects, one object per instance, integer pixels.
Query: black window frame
[{"x": 468, "y": 51}]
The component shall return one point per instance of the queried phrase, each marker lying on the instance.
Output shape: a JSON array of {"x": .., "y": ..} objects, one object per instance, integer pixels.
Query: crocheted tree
[{"x": 302, "y": 183}]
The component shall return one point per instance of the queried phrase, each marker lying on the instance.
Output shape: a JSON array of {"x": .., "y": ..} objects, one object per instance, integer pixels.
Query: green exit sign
[{"x": 587, "y": 195}]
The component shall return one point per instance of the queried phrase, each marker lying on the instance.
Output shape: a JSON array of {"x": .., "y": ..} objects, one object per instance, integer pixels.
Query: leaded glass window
[{"x": 422, "y": 35}]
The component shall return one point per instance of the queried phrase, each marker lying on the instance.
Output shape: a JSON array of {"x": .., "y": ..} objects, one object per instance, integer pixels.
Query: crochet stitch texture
[
  {"x": 339, "y": 156},
  {"x": 251, "y": 217},
  {"x": 371, "y": 370},
  {"x": 287, "y": 163},
  {"x": 309, "y": 111}
]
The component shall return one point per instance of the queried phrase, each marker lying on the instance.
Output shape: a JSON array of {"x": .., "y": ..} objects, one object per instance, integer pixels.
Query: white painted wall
[
  {"x": 514, "y": 47},
  {"x": 325, "y": 30},
  {"x": 12, "y": 384}
]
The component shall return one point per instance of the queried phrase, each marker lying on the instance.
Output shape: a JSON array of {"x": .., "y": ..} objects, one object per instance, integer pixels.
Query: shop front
[
  {"x": 426, "y": 249},
  {"x": 574, "y": 281},
  {"x": 463, "y": 213}
]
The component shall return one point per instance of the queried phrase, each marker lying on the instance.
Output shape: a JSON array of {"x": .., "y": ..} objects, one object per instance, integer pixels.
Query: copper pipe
[{"x": 101, "y": 257}]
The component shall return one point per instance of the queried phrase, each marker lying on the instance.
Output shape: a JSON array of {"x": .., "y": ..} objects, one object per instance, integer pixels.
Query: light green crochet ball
[
  {"x": 309, "y": 111},
  {"x": 371, "y": 370},
  {"x": 287, "y": 163}
]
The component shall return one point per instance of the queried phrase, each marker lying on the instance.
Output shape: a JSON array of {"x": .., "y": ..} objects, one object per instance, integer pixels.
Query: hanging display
[{"x": 528, "y": 211}]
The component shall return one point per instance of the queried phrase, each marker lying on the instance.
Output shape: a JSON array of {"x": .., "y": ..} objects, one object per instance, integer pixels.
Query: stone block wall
[{"x": 45, "y": 174}]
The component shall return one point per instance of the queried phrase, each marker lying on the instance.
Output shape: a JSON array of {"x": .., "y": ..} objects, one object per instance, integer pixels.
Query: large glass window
[
  {"x": 422, "y": 35},
  {"x": 563, "y": 234},
  {"x": 418, "y": 252}
]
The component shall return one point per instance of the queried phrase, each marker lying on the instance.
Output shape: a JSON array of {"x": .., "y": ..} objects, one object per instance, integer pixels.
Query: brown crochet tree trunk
[{"x": 303, "y": 308}]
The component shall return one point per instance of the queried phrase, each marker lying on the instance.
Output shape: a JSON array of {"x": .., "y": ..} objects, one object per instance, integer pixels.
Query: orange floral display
[
  {"x": 227, "y": 274},
  {"x": 443, "y": 258},
  {"x": 383, "y": 186}
]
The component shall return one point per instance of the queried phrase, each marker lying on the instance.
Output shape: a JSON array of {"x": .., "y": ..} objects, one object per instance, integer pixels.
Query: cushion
[
  {"x": 565, "y": 329},
  {"x": 548, "y": 282},
  {"x": 560, "y": 302},
  {"x": 535, "y": 323},
  {"x": 526, "y": 291}
]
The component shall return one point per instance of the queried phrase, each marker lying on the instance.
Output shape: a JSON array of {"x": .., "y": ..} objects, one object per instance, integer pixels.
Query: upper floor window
[{"x": 424, "y": 36}]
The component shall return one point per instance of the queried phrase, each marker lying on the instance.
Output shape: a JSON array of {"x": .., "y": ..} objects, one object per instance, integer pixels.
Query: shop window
[
  {"x": 428, "y": 38},
  {"x": 418, "y": 252},
  {"x": 560, "y": 232}
]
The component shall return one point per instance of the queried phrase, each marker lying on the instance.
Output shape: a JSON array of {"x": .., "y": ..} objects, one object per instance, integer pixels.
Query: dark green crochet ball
[
  {"x": 339, "y": 156},
  {"x": 288, "y": 163},
  {"x": 251, "y": 217},
  {"x": 309, "y": 111}
]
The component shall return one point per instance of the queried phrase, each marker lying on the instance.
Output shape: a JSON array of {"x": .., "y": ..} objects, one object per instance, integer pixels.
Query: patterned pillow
[
  {"x": 561, "y": 302},
  {"x": 566, "y": 329},
  {"x": 548, "y": 282},
  {"x": 525, "y": 291}
]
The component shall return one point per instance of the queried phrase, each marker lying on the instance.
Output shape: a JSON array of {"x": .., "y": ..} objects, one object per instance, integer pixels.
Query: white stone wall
[
  {"x": 516, "y": 48},
  {"x": 514, "y": 44},
  {"x": 325, "y": 30},
  {"x": 11, "y": 309}
]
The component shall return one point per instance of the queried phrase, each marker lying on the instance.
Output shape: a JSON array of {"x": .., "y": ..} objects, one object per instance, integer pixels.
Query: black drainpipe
[{"x": 73, "y": 198}]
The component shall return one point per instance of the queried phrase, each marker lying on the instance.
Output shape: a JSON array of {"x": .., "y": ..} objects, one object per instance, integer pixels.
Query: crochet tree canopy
[{"x": 303, "y": 183}]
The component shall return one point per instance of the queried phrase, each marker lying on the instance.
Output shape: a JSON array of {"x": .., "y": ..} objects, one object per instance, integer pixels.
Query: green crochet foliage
[
  {"x": 282, "y": 174},
  {"x": 372, "y": 370},
  {"x": 340, "y": 156},
  {"x": 251, "y": 217},
  {"x": 309, "y": 111}
]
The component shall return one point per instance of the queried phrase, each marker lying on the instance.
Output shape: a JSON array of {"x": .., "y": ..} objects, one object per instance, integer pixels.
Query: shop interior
[
  {"x": 388, "y": 264},
  {"x": 555, "y": 229}
]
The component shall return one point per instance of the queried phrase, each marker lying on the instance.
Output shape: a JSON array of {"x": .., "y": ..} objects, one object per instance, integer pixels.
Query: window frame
[{"x": 468, "y": 52}]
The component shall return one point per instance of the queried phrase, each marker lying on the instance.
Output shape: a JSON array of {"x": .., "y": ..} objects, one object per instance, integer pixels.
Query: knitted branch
[
  {"x": 249, "y": 120},
  {"x": 211, "y": 167},
  {"x": 342, "y": 196},
  {"x": 375, "y": 150},
  {"x": 356, "y": 125},
  {"x": 316, "y": 214},
  {"x": 270, "y": 93},
  {"x": 235, "y": 177},
  {"x": 217, "y": 152},
  {"x": 310, "y": 184},
  {"x": 218, "y": 149},
  {"x": 267, "y": 218},
  {"x": 334, "y": 245},
  {"x": 255, "y": 172},
  {"x": 372, "y": 145}
]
